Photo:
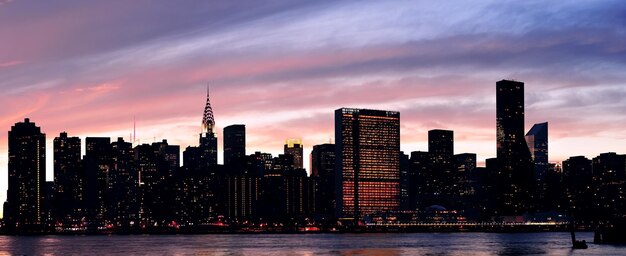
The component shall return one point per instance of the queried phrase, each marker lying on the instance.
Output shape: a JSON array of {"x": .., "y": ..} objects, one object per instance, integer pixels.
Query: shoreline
[{"x": 344, "y": 230}]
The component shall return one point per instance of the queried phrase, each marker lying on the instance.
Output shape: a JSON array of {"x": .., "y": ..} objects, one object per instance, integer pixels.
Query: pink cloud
[{"x": 9, "y": 64}]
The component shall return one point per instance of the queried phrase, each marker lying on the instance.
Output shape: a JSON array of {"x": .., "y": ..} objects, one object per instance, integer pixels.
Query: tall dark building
[
  {"x": 514, "y": 159},
  {"x": 155, "y": 166},
  {"x": 578, "y": 187},
  {"x": 467, "y": 182},
  {"x": 367, "y": 161},
  {"x": 323, "y": 171},
  {"x": 69, "y": 179},
  {"x": 405, "y": 177},
  {"x": 97, "y": 162},
  {"x": 294, "y": 147},
  {"x": 24, "y": 208},
  {"x": 149, "y": 180},
  {"x": 441, "y": 145},
  {"x": 420, "y": 181},
  {"x": 443, "y": 187},
  {"x": 168, "y": 164},
  {"x": 537, "y": 141},
  {"x": 123, "y": 198},
  {"x": 609, "y": 182},
  {"x": 234, "y": 143}
]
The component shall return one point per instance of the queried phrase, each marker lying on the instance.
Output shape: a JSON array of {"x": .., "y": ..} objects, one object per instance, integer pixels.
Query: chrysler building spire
[{"x": 207, "y": 119}]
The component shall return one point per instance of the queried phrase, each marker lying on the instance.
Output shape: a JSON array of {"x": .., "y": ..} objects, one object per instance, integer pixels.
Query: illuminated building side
[
  {"x": 294, "y": 147},
  {"x": 367, "y": 161}
]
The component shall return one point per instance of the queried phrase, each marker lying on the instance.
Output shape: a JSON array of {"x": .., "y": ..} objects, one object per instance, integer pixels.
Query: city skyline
[
  {"x": 119, "y": 187},
  {"x": 158, "y": 74}
]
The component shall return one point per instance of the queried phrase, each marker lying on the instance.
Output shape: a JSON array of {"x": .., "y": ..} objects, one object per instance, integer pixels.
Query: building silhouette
[
  {"x": 364, "y": 177},
  {"x": 443, "y": 179},
  {"x": 234, "y": 143},
  {"x": 323, "y": 172},
  {"x": 156, "y": 165},
  {"x": 537, "y": 141},
  {"x": 98, "y": 162},
  {"x": 577, "y": 189},
  {"x": 441, "y": 145},
  {"x": 609, "y": 183},
  {"x": 514, "y": 159},
  {"x": 467, "y": 183},
  {"x": 405, "y": 203},
  {"x": 123, "y": 198},
  {"x": 420, "y": 181},
  {"x": 24, "y": 209},
  {"x": 69, "y": 179},
  {"x": 294, "y": 147},
  {"x": 242, "y": 187},
  {"x": 367, "y": 161}
]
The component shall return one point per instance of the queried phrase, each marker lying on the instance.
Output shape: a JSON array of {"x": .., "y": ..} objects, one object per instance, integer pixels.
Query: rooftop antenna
[{"x": 134, "y": 131}]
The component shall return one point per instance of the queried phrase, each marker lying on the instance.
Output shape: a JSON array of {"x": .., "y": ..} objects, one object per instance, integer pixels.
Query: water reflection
[{"x": 305, "y": 245}]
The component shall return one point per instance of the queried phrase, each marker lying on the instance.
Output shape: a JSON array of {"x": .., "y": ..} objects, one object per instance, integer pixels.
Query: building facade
[
  {"x": 294, "y": 147},
  {"x": 514, "y": 159},
  {"x": 69, "y": 178},
  {"x": 367, "y": 161},
  {"x": 234, "y": 143},
  {"x": 323, "y": 172},
  {"x": 24, "y": 208}
]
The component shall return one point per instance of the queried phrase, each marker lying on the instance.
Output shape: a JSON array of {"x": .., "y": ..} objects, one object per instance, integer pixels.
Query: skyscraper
[
  {"x": 323, "y": 171},
  {"x": 443, "y": 184},
  {"x": 123, "y": 198},
  {"x": 537, "y": 141},
  {"x": 69, "y": 178},
  {"x": 234, "y": 143},
  {"x": 24, "y": 208},
  {"x": 609, "y": 182},
  {"x": 294, "y": 147},
  {"x": 367, "y": 161},
  {"x": 441, "y": 145},
  {"x": 514, "y": 159},
  {"x": 208, "y": 139},
  {"x": 97, "y": 162},
  {"x": 577, "y": 190}
]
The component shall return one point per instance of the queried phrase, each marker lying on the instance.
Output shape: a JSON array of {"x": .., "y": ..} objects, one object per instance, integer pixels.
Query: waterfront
[{"x": 307, "y": 244}]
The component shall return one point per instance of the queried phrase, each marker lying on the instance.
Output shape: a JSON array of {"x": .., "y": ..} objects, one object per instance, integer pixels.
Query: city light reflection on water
[{"x": 305, "y": 244}]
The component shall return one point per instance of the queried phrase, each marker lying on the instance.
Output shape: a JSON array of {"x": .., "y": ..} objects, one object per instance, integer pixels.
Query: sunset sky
[{"x": 282, "y": 67}]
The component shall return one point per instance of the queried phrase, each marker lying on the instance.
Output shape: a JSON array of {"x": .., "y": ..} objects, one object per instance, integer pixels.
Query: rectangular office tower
[
  {"x": 69, "y": 178},
  {"x": 24, "y": 208},
  {"x": 234, "y": 143},
  {"x": 367, "y": 161},
  {"x": 514, "y": 159}
]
